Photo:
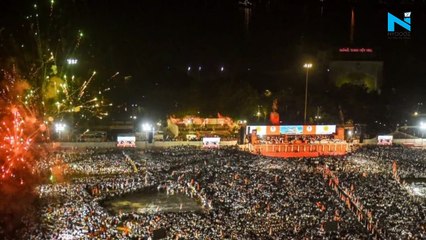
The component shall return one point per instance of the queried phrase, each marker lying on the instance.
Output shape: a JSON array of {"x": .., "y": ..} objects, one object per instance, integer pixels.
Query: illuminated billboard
[
  {"x": 273, "y": 130},
  {"x": 384, "y": 140},
  {"x": 309, "y": 129},
  {"x": 261, "y": 130},
  {"x": 126, "y": 141},
  {"x": 325, "y": 129},
  {"x": 211, "y": 142},
  {"x": 292, "y": 130}
]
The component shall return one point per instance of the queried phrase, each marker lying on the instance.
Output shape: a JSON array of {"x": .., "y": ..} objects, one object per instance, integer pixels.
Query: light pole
[
  {"x": 307, "y": 66},
  {"x": 146, "y": 127},
  {"x": 60, "y": 127}
]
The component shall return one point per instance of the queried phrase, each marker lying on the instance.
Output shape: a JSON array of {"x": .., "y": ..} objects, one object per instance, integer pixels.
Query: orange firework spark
[
  {"x": 16, "y": 139},
  {"x": 18, "y": 129}
]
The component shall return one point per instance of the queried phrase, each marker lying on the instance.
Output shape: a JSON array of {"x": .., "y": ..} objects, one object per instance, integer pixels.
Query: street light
[
  {"x": 72, "y": 61},
  {"x": 146, "y": 127},
  {"x": 60, "y": 127},
  {"x": 307, "y": 66}
]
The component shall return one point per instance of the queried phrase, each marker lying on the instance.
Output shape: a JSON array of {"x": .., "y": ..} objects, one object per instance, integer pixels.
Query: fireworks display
[
  {"x": 19, "y": 127},
  {"x": 59, "y": 86},
  {"x": 43, "y": 82},
  {"x": 16, "y": 143},
  {"x": 67, "y": 95}
]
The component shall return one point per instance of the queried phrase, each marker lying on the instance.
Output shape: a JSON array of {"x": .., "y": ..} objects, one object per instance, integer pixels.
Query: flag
[{"x": 394, "y": 167}]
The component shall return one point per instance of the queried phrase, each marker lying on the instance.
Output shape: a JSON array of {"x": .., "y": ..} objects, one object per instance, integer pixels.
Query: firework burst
[
  {"x": 35, "y": 90},
  {"x": 43, "y": 82},
  {"x": 19, "y": 127},
  {"x": 17, "y": 133},
  {"x": 58, "y": 85}
]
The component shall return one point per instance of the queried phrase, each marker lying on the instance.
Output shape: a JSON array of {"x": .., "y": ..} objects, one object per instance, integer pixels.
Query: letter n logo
[{"x": 406, "y": 23}]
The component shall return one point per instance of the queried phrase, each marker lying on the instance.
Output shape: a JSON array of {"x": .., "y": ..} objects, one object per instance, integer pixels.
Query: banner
[
  {"x": 272, "y": 130},
  {"x": 291, "y": 130},
  {"x": 325, "y": 129},
  {"x": 340, "y": 133},
  {"x": 384, "y": 139},
  {"x": 309, "y": 129},
  {"x": 211, "y": 142},
  {"x": 126, "y": 141},
  {"x": 261, "y": 130}
]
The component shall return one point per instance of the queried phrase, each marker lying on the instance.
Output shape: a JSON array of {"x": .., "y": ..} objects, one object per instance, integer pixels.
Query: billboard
[
  {"x": 309, "y": 129},
  {"x": 211, "y": 142},
  {"x": 96, "y": 136},
  {"x": 291, "y": 129},
  {"x": 384, "y": 140},
  {"x": 126, "y": 141},
  {"x": 325, "y": 129},
  {"x": 261, "y": 130},
  {"x": 272, "y": 130}
]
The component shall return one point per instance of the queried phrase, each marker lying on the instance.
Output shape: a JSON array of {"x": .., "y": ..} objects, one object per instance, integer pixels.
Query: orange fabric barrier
[{"x": 301, "y": 150}]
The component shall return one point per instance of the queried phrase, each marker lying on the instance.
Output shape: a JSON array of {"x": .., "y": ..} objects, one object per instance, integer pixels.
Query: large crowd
[
  {"x": 242, "y": 195},
  {"x": 377, "y": 177}
]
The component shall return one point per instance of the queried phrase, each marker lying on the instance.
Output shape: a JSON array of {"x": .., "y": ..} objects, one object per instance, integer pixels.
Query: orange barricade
[{"x": 301, "y": 149}]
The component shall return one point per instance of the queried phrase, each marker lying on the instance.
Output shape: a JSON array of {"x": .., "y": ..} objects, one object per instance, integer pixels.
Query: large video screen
[
  {"x": 211, "y": 142},
  {"x": 291, "y": 130},
  {"x": 126, "y": 141},
  {"x": 384, "y": 139}
]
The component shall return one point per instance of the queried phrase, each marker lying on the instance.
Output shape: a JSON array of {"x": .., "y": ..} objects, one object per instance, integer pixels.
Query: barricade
[{"x": 300, "y": 150}]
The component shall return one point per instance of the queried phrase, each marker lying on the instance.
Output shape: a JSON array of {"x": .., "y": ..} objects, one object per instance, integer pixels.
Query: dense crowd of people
[
  {"x": 376, "y": 176},
  {"x": 242, "y": 195},
  {"x": 411, "y": 161}
]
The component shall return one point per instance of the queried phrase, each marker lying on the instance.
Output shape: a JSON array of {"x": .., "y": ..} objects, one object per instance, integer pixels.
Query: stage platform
[
  {"x": 300, "y": 154},
  {"x": 300, "y": 150}
]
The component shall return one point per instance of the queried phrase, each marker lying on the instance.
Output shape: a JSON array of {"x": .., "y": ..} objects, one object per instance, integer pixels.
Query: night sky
[{"x": 152, "y": 44}]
